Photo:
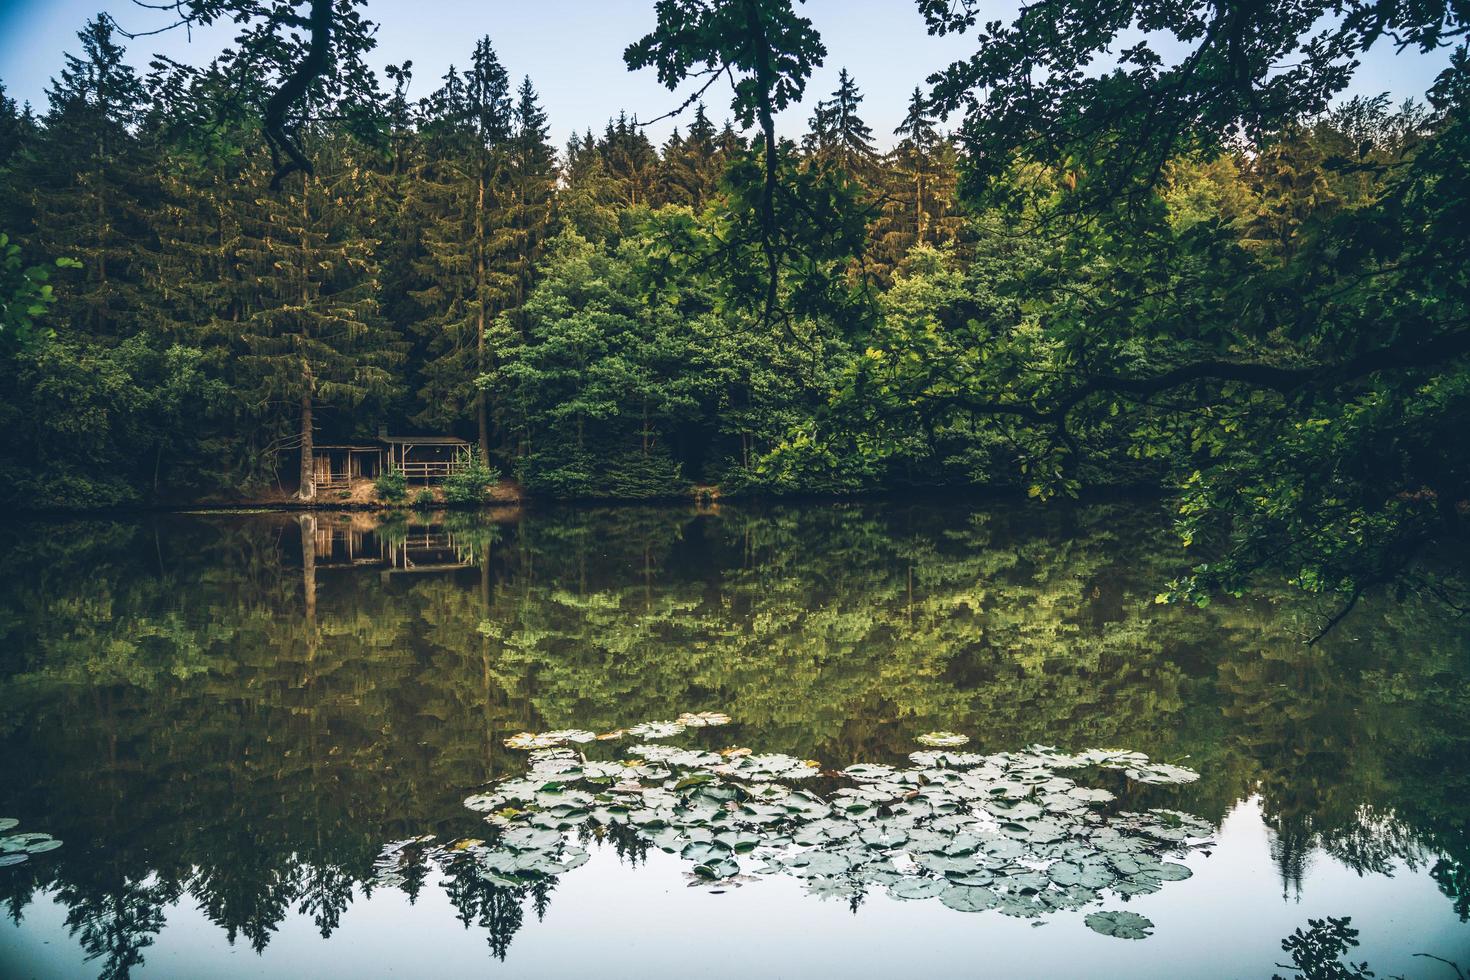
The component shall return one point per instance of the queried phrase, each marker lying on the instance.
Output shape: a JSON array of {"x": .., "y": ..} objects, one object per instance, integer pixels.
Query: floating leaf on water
[
  {"x": 966, "y": 898},
  {"x": 28, "y": 843},
  {"x": 703, "y": 719},
  {"x": 546, "y": 740},
  {"x": 6, "y": 860},
  {"x": 8, "y": 823},
  {"x": 1004, "y": 831},
  {"x": 914, "y": 888},
  {"x": 1120, "y": 925},
  {"x": 943, "y": 740},
  {"x": 722, "y": 868},
  {"x": 656, "y": 729},
  {"x": 1160, "y": 773}
]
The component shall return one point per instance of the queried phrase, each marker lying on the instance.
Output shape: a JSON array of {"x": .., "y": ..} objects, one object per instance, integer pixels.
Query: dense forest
[{"x": 1217, "y": 277}]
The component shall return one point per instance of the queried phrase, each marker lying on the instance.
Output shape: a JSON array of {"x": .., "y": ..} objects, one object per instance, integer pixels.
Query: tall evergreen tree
[
  {"x": 314, "y": 335},
  {"x": 838, "y": 137},
  {"x": 920, "y": 180},
  {"x": 461, "y": 198},
  {"x": 690, "y": 168},
  {"x": 531, "y": 188},
  {"x": 630, "y": 160},
  {"x": 89, "y": 180}
]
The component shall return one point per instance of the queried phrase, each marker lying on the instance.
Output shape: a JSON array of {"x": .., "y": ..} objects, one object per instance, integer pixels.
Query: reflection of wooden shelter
[
  {"x": 356, "y": 542},
  {"x": 338, "y": 466},
  {"x": 343, "y": 544},
  {"x": 426, "y": 548},
  {"x": 422, "y": 459}
]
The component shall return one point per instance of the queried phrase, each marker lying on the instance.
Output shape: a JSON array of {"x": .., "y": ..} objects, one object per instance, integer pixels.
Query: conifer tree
[
  {"x": 89, "y": 180},
  {"x": 919, "y": 198},
  {"x": 531, "y": 186},
  {"x": 838, "y": 137},
  {"x": 690, "y": 167},
  {"x": 314, "y": 335},
  {"x": 630, "y": 160},
  {"x": 465, "y": 284}
]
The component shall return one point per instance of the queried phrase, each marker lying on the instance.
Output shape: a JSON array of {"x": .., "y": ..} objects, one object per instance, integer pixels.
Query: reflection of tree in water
[
  {"x": 167, "y": 689},
  {"x": 115, "y": 925},
  {"x": 494, "y": 908}
]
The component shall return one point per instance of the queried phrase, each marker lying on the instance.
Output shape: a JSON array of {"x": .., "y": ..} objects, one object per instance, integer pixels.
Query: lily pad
[
  {"x": 703, "y": 719},
  {"x": 965, "y": 898},
  {"x": 656, "y": 729},
  {"x": 943, "y": 740},
  {"x": 1120, "y": 925},
  {"x": 28, "y": 843}
]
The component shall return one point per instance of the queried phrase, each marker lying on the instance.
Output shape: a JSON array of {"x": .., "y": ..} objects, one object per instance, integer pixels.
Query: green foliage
[
  {"x": 25, "y": 294},
  {"x": 391, "y": 486},
  {"x": 471, "y": 483},
  {"x": 1261, "y": 319},
  {"x": 424, "y": 499}
]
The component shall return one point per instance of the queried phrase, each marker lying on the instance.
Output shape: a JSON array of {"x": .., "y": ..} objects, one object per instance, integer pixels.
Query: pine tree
[
  {"x": 89, "y": 178},
  {"x": 531, "y": 185},
  {"x": 839, "y": 138},
  {"x": 690, "y": 168},
  {"x": 314, "y": 335},
  {"x": 587, "y": 200},
  {"x": 460, "y": 200},
  {"x": 630, "y": 160},
  {"x": 919, "y": 200},
  {"x": 18, "y": 131}
]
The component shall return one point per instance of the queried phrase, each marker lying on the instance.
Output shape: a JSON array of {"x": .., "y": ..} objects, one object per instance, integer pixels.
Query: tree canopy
[{"x": 1158, "y": 250}]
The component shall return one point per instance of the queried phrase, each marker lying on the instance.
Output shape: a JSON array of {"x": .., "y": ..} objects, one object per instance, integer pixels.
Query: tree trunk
[
  {"x": 482, "y": 406},
  {"x": 307, "y": 490}
]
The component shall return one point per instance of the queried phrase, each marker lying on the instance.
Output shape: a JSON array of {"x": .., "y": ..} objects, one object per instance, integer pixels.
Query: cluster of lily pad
[
  {"x": 18, "y": 848},
  {"x": 1005, "y": 831}
]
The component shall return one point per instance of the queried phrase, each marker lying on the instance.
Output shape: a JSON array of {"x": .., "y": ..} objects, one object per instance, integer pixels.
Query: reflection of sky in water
[
  {"x": 194, "y": 690},
  {"x": 608, "y": 919}
]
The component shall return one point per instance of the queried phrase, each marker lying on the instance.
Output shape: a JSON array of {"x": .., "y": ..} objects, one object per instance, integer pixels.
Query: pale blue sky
[{"x": 572, "y": 49}]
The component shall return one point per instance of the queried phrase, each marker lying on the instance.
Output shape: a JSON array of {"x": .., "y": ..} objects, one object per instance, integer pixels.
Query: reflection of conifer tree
[
  {"x": 629, "y": 845},
  {"x": 541, "y": 890},
  {"x": 1291, "y": 852},
  {"x": 501, "y": 916},
  {"x": 115, "y": 925},
  {"x": 415, "y": 872},
  {"x": 326, "y": 891}
]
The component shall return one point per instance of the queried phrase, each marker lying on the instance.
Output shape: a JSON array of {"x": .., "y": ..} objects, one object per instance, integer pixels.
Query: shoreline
[{"x": 516, "y": 498}]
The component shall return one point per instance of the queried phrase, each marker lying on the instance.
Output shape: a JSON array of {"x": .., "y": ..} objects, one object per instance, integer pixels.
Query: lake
[{"x": 861, "y": 739}]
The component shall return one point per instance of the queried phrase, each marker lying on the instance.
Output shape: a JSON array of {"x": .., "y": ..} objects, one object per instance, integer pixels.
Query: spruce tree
[
  {"x": 630, "y": 160},
  {"x": 89, "y": 181},
  {"x": 838, "y": 137},
  {"x": 461, "y": 199},
  {"x": 690, "y": 168},
  {"x": 314, "y": 336},
  {"x": 919, "y": 198},
  {"x": 531, "y": 191}
]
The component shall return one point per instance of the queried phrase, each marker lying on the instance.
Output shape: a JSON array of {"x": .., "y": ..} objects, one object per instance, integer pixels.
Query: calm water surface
[{"x": 255, "y": 736}]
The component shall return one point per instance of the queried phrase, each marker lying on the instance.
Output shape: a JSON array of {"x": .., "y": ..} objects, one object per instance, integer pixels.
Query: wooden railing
[{"x": 424, "y": 471}]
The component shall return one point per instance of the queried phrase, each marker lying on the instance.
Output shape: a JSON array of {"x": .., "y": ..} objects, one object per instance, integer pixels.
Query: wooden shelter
[
  {"x": 338, "y": 466},
  {"x": 426, "y": 458},
  {"x": 422, "y": 459}
]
